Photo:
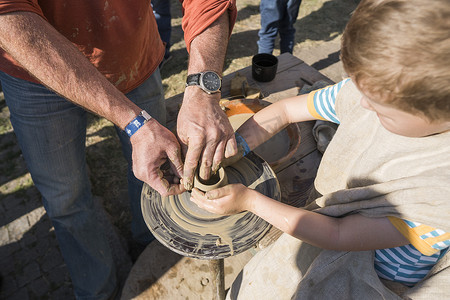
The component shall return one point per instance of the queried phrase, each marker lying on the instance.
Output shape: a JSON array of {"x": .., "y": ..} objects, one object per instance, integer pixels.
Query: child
[{"x": 382, "y": 189}]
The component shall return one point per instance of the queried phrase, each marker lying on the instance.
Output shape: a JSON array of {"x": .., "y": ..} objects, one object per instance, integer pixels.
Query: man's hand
[
  {"x": 205, "y": 133},
  {"x": 153, "y": 145}
]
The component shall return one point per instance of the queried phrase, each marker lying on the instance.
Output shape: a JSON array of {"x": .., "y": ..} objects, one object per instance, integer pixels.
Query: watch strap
[
  {"x": 137, "y": 123},
  {"x": 193, "y": 79}
]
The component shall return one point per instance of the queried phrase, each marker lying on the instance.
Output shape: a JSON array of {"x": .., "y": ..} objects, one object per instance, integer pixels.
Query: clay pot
[{"x": 215, "y": 181}]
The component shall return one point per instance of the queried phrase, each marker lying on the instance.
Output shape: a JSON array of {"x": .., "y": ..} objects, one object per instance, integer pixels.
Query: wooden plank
[
  {"x": 296, "y": 77},
  {"x": 307, "y": 145},
  {"x": 286, "y": 61},
  {"x": 296, "y": 180}
]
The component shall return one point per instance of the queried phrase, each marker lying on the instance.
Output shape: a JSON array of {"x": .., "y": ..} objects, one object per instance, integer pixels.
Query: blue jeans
[
  {"x": 51, "y": 132},
  {"x": 161, "y": 9},
  {"x": 277, "y": 17}
]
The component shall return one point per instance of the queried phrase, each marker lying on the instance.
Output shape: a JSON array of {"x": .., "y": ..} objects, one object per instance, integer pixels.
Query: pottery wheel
[{"x": 183, "y": 227}]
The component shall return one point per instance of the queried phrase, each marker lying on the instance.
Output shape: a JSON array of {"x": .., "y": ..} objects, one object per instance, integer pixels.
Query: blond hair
[{"x": 400, "y": 50}]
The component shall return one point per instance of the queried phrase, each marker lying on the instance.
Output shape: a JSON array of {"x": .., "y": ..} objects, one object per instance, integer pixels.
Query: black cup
[{"x": 264, "y": 67}]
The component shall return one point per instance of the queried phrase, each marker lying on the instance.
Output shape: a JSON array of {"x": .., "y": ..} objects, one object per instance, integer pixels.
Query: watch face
[{"x": 211, "y": 81}]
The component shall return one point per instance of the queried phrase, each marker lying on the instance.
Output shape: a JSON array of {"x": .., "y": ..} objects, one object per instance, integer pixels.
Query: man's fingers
[
  {"x": 176, "y": 163},
  {"x": 184, "y": 149},
  {"x": 207, "y": 159},
  {"x": 231, "y": 147},
  {"x": 158, "y": 183},
  {"x": 190, "y": 163},
  {"x": 162, "y": 186},
  {"x": 218, "y": 156},
  {"x": 175, "y": 189}
]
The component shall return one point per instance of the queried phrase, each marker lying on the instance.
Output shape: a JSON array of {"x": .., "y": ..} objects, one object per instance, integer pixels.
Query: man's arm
[
  {"x": 58, "y": 64},
  {"x": 202, "y": 125}
]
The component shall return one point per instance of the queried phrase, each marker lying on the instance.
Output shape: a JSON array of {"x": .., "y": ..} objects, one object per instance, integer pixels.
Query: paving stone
[
  {"x": 42, "y": 246},
  {"x": 4, "y": 236},
  {"x": 2, "y": 215},
  {"x": 30, "y": 273},
  {"x": 21, "y": 294},
  {"x": 53, "y": 241},
  {"x": 2, "y": 208},
  {"x": 7, "y": 266},
  {"x": 9, "y": 249},
  {"x": 52, "y": 259},
  {"x": 26, "y": 256},
  {"x": 9, "y": 287},
  {"x": 40, "y": 287},
  {"x": 17, "y": 228},
  {"x": 28, "y": 240},
  {"x": 58, "y": 275},
  {"x": 33, "y": 193},
  {"x": 42, "y": 228},
  {"x": 35, "y": 214},
  {"x": 11, "y": 202},
  {"x": 63, "y": 292},
  {"x": 14, "y": 214}
]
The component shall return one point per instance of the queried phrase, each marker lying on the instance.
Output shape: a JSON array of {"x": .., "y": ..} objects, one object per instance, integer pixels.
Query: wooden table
[{"x": 160, "y": 273}]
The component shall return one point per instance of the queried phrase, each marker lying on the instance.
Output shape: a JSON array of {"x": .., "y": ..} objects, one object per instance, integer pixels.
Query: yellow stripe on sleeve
[
  {"x": 311, "y": 107},
  {"x": 413, "y": 236}
]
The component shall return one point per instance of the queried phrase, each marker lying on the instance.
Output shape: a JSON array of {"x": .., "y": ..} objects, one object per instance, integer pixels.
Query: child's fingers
[
  {"x": 218, "y": 193},
  {"x": 197, "y": 194},
  {"x": 199, "y": 198}
]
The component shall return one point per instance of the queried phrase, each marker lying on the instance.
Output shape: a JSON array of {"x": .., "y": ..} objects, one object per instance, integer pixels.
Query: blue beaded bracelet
[{"x": 241, "y": 141}]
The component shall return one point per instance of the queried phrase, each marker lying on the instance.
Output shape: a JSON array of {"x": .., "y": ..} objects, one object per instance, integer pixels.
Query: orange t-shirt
[{"x": 119, "y": 37}]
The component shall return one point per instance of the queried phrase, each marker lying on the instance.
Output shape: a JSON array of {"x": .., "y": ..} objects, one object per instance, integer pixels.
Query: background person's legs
[
  {"x": 287, "y": 29},
  {"x": 161, "y": 9},
  {"x": 270, "y": 17}
]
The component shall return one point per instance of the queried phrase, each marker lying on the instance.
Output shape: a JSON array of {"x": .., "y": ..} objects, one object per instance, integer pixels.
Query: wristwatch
[
  {"x": 208, "y": 81},
  {"x": 137, "y": 123}
]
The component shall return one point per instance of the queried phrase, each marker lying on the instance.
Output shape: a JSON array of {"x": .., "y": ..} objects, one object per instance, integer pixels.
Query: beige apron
[{"x": 367, "y": 170}]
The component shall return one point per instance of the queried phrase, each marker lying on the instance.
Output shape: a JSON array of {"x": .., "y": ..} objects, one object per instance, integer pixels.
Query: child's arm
[
  {"x": 273, "y": 118},
  {"x": 350, "y": 233}
]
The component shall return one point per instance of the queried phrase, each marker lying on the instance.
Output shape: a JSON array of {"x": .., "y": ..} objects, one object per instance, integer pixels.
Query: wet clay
[
  {"x": 179, "y": 224},
  {"x": 216, "y": 180}
]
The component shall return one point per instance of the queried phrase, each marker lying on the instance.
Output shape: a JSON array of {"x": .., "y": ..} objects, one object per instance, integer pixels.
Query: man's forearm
[
  {"x": 60, "y": 66},
  {"x": 209, "y": 48}
]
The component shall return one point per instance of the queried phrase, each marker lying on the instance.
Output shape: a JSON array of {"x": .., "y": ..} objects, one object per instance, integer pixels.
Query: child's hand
[{"x": 228, "y": 200}]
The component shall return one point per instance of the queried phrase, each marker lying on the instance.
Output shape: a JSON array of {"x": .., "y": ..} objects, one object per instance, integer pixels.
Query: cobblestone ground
[{"x": 31, "y": 264}]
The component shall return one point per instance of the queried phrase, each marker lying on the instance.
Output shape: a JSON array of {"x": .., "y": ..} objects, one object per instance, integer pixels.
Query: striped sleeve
[
  {"x": 426, "y": 239},
  {"x": 322, "y": 102}
]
